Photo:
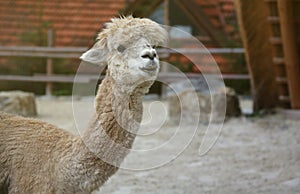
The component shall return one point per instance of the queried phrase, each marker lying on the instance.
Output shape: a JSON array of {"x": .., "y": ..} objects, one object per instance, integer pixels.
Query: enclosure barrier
[{"x": 75, "y": 52}]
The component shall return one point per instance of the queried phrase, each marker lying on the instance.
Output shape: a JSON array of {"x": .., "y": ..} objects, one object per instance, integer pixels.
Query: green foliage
[
  {"x": 62, "y": 89},
  {"x": 24, "y": 66},
  {"x": 238, "y": 66},
  {"x": 242, "y": 87},
  {"x": 36, "y": 35}
]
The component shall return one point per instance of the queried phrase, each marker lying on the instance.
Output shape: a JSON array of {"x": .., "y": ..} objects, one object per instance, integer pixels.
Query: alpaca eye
[
  {"x": 154, "y": 46},
  {"x": 121, "y": 48}
]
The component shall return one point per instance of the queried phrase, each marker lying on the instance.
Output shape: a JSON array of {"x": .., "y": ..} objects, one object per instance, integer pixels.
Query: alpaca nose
[{"x": 149, "y": 54}]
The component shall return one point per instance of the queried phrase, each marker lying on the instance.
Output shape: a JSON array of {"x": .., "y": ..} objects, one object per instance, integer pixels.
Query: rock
[
  {"x": 193, "y": 100},
  {"x": 219, "y": 105},
  {"x": 18, "y": 102},
  {"x": 202, "y": 84},
  {"x": 233, "y": 108}
]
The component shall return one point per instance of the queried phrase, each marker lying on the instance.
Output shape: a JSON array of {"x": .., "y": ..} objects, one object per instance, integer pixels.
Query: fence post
[
  {"x": 254, "y": 29},
  {"x": 164, "y": 68},
  {"x": 49, "y": 68},
  {"x": 290, "y": 49}
]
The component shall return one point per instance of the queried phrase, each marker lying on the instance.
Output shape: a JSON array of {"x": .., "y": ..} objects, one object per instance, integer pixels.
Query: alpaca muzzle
[{"x": 150, "y": 67}]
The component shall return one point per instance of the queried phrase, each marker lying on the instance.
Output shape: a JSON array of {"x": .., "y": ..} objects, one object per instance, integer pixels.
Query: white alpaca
[{"x": 36, "y": 157}]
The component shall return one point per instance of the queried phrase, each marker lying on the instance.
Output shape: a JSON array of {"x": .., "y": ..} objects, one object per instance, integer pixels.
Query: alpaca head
[{"x": 127, "y": 46}]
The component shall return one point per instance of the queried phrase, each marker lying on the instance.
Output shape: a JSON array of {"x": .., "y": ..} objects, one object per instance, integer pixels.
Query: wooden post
[
  {"x": 165, "y": 68},
  {"x": 49, "y": 68},
  {"x": 255, "y": 32},
  {"x": 167, "y": 12},
  {"x": 290, "y": 49}
]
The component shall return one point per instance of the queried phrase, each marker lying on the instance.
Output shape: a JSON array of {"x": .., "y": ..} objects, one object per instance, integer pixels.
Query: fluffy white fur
[{"x": 36, "y": 157}]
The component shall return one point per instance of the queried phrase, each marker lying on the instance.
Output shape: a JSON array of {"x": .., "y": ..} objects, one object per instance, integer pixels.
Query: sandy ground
[{"x": 251, "y": 155}]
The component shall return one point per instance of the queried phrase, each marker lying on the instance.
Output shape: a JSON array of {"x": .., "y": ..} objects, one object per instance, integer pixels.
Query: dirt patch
[{"x": 252, "y": 155}]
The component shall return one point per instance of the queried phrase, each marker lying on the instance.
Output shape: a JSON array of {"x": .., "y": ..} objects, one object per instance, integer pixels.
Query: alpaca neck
[{"x": 118, "y": 115}]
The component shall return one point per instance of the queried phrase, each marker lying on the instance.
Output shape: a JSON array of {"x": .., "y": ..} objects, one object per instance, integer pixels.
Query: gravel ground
[{"x": 251, "y": 155}]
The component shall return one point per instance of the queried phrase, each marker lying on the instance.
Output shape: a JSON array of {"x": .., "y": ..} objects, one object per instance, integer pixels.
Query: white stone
[
  {"x": 18, "y": 102},
  {"x": 192, "y": 103}
]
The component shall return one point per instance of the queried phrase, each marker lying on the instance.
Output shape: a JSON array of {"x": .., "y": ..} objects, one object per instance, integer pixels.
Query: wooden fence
[{"x": 75, "y": 52}]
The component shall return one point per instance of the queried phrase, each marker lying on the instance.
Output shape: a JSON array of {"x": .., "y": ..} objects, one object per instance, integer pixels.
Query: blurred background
[{"x": 42, "y": 40}]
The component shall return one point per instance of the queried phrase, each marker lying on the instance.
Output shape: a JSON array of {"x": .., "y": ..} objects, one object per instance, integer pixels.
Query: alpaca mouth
[{"x": 150, "y": 68}]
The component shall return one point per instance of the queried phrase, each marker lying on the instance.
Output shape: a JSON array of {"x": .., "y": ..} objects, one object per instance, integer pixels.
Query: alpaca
[{"x": 36, "y": 157}]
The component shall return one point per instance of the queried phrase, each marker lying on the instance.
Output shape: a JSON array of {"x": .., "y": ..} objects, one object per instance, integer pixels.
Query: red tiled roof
[
  {"x": 75, "y": 22},
  {"x": 223, "y": 16}
]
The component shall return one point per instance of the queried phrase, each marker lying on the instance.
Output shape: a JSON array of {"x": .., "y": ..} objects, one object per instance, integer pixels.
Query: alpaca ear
[{"x": 95, "y": 56}]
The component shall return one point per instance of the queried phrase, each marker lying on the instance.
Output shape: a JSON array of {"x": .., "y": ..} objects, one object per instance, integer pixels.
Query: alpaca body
[
  {"x": 36, "y": 157},
  {"x": 51, "y": 166}
]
